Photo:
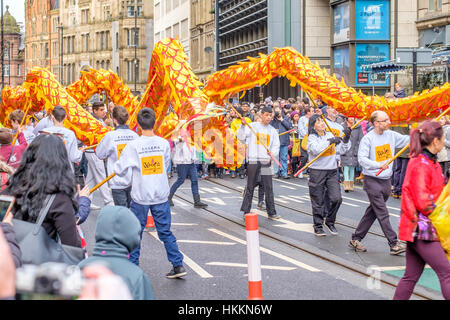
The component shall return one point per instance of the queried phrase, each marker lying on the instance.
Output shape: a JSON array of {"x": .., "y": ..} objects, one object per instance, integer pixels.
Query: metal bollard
[{"x": 253, "y": 257}]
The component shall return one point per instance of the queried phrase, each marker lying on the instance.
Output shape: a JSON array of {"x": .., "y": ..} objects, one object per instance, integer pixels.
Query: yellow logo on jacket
[
  {"x": 262, "y": 139},
  {"x": 152, "y": 165},
  {"x": 383, "y": 153},
  {"x": 120, "y": 148}
]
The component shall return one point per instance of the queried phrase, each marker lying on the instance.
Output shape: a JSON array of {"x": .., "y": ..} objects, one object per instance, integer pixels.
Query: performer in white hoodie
[
  {"x": 259, "y": 160},
  {"x": 111, "y": 148},
  {"x": 147, "y": 157},
  {"x": 184, "y": 158},
  {"x": 70, "y": 141}
]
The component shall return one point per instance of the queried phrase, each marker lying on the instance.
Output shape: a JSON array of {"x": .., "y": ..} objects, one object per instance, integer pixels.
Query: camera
[{"x": 51, "y": 278}]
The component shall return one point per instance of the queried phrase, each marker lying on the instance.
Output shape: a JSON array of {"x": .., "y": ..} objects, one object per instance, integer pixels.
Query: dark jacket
[
  {"x": 10, "y": 236},
  {"x": 350, "y": 158},
  {"x": 84, "y": 208},
  {"x": 402, "y": 129},
  {"x": 282, "y": 126},
  {"x": 60, "y": 220},
  {"x": 117, "y": 234},
  {"x": 400, "y": 93}
]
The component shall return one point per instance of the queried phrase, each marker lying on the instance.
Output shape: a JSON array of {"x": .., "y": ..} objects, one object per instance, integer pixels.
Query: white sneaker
[
  {"x": 94, "y": 207},
  {"x": 300, "y": 176}
]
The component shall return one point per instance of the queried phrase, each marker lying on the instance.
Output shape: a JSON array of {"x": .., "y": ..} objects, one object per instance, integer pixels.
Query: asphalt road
[{"x": 215, "y": 252}]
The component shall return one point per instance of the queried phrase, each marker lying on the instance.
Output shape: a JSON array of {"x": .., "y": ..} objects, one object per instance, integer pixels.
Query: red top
[
  {"x": 16, "y": 156},
  {"x": 422, "y": 186}
]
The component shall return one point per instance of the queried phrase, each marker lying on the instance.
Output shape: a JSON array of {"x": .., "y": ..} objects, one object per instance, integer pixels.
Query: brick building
[{"x": 13, "y": 57}]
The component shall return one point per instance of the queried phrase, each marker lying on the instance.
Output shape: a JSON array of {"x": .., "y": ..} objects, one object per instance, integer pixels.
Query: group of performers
[{"x": 141, "y": 183}]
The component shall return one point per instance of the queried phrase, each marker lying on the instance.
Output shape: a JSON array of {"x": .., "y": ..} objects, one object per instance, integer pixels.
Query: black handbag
[{"x": 38, "y": 247}]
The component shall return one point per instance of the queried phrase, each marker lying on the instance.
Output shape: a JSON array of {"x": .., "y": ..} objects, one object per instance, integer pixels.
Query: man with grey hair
[{"x": 375, "y": 150}]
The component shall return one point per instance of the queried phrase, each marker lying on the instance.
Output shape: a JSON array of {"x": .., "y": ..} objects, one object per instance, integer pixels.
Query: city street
[{"x": 295, "y": 263}]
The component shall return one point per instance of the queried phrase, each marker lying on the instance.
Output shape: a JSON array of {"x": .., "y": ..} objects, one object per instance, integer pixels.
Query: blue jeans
[
  {"x": 183, "y": 170},
  {"x": 282, "y": 172},
  {"x": 162, "y": 217}
]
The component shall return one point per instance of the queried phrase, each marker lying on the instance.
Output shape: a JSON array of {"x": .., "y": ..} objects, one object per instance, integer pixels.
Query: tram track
[
  {"x": 387, "y": 280},
  {"x": 337, "y": 222}
]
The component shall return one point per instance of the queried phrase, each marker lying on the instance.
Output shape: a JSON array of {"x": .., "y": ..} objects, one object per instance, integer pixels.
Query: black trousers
[
  {"x": 122, "y": 197},
  {"x": 378, "y": 191},
  {"x": 265, "y": 172},
  {"x": 303, "y": 158},
  {"x": 319, "y": 180},
  {"x": 400, "y": 165}
]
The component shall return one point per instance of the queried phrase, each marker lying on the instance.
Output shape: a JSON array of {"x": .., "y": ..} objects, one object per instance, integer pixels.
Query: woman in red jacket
[{"x": 421, "y": 188}]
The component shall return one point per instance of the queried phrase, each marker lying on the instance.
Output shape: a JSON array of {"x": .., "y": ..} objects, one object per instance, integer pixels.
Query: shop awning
[{"x": 383, "y": 67}]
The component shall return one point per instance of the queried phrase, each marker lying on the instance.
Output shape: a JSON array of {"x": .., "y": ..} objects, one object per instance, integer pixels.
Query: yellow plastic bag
[
  {"x": 296, "y": 147},
  {"x": 440, "y": 217}
]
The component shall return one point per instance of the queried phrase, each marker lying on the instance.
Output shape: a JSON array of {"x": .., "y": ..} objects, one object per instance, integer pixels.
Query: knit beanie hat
[{"x": 293, "y": 113}]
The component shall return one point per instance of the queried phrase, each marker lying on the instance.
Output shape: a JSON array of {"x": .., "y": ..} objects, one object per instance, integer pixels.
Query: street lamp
[
  {"x": 135, "y": 49},
  {"x": 61, "y": 41},
  {"x": 2, "y": 58}
]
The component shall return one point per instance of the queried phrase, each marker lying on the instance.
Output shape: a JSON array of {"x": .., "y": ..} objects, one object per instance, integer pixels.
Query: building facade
[
  {"x": 40, "y": 33},
  {"x": 364, "y": 32},
  {"x": 249, "y": 27},
  {"x": 80, "y": 34},
  {"x": 13, "y": 52},
  {"x": 172, "y": 21},
  {"x": 202, "y": 40}
]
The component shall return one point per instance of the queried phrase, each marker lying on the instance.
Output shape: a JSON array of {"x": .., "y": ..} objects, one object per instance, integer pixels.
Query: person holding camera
[{"x": 282, "y": 124}]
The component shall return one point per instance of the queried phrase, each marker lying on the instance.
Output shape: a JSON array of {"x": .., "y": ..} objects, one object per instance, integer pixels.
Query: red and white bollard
[{"x": 253, "y": 257}]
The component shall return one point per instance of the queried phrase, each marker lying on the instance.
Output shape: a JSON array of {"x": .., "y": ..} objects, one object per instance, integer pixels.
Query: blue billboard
[
  {"x": 368, "y": 53},
  {"x": 341, "y": 64},
  {"x": 372, "y": 20},
  {"x": 341, "y": 19}
]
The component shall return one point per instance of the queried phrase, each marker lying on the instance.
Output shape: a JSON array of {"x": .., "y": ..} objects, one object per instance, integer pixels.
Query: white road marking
[
  {"x": 367, "y": 202},
  {"x": 268, "y": 251},
  {"x": 243, "y": 265},
  {"x": 304, "y": 227},
  {"x": 215, "y": 200},
  {"x": 188, "y": 261},
  {"x": 179, "y": 202},
  {"x": 287, "y": 187},
  {"x": 194, "y": 266},
  {"x": 291, "y": 198},
  {"x": 357, "y": 200},
  {"x": 221, "y": 243},
  {"x": 281, "y": 200},
  {"x": 395, "y": 268},
  {"x": 350, "y": 204}
]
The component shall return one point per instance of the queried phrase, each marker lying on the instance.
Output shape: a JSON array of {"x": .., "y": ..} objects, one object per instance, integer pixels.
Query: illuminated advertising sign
[
  {"x": 372, "y": 20},
  {"x": 367, "y": 54},
  {"x": 341, "y": 16}
]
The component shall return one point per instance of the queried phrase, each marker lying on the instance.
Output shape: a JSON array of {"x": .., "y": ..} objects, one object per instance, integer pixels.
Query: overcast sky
[{"x": 16, "y": 8}]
